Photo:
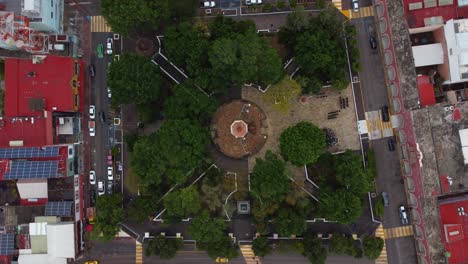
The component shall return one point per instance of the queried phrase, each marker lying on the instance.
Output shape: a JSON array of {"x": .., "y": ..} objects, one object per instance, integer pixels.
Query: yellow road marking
[
  {"x": 396, "y": 232},
  {"x": 99, "y": 24},
  {"x": 138, "y": 253},
  {"x": 382, "y": 259}
]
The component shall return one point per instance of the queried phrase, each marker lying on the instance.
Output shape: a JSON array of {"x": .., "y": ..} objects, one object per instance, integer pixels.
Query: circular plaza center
[{"x": 238, "y": 129}]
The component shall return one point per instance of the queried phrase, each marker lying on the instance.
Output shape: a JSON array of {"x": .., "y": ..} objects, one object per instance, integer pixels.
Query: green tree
[
  {"x": 350, "y": 173},
  {"x": 173, "y": 151},
  {"x": 211, "y": 198},
  {"x": 372, "y": 246},
  {"x": 269, "y": 65},
  {"x": 340, "y": 205},
  {"x": 134, "y": 79},
  {"x": 314, "y": 249},
  {"x": 163, "y": 247},
  {"x": 124, "y": 16},
  {"x": 181, "y": 204},
  {"x": 342, "y": 244},
  {"x": 181, "y": 10},
  {"x": 289, "y": 223},
  {"x": 225, "y": 27},
  {"x": 302, "y": 143},
  {"x": 261, "y": 247},
  {"x": 269, "y": 179},
  {"x": 143, "y": 206},
  {"x": 187, "y": 102},
  {"x": 109, "y": 215},
  {"x": 224, "y": 248},
  {"x": 207, "y": 230},
  {"x": 187, "y": 47}
]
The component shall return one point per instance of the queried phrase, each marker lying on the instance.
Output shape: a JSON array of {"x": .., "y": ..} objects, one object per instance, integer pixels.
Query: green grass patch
[
  {"x": 379, "y": 206},
  {"x": 281, "y": 94},
  {"x": 131, "y": 182}
]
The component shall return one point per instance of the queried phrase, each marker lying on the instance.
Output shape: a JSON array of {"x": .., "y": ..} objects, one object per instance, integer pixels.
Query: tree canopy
[
  {"x": 181, "y": 204},
  {"x": 187, "y": 102},
  {"x": 302, "y": 143},
  {"x": 269, "y": 179},
  {"x": 163, "y": 247},
  {"x": 173, "y": 151},
  {"x": 134, "y": 79},
  {"x": 341, "y": 244},
  {"x": 260, "y": 246},
  {"x": 372, "y": 246},
  {"x": 350, "y": 173},
  {"x": 207, "y": 230},
  {"x": 288, "y": 222},
  {"x": 108, "y": 217},
  {"x": 314, "y": 249},
  {"x": 340, "y": 205}
]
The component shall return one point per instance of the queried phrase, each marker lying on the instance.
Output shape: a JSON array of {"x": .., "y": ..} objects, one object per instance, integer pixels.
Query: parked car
[
  {"x": 110, "y": 187},
  {"x": 110, "y": 173},
  {"x": 109, "y": 93},
  {"x": 92, "y": 112},
  {"x": 385, "y": 114},
  {"x": 109, "y": 45},
  {"x": 100, "y": 51},
  {"x": 102, "y": 117},
  {"x": 92, "y": 128},
  {"x": 207, "y": 4},
  {"x": 253, "y": 2},
  {"x": 92, "y": 70},
  {"x": 373, "y": 42},
  {"x": 92, "y": 177},
  {"x": 403, "y": 215},
  {"x": 355, "y": 5},
  {"x": 391, "y": 144},
  {"x": 92, "y": 197},
  {"x": 109, "y": 160},
  {"x": 385, "y": 199},
  {"x": 101, "y": 188}
]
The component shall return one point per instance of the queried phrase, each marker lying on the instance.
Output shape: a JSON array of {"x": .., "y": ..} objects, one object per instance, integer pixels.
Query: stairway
[{"x": 249, "y": 255}]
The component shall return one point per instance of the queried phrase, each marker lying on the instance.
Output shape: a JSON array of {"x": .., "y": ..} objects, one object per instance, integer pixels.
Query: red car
[{"x": 109, "y": 159}]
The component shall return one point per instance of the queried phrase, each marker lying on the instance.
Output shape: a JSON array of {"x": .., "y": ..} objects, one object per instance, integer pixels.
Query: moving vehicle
[
  {"x": 109, "y": 93},
  {"x": 355, "y": 5},
  {"x": 403, "y": 215},
  {"x": 92, "y": 262},
  {"x": 92, "y": 70},
  {"x": 253, "y": 2},
  {"x": 222, "y": 260},
  {"x": 92, "y": 177},
  {"x": 385, "y": 114},
  {"x": 92, "y": 112},
  {"x": 102, "y": 117},
  {"x": 110, "y": 173},
  {"x": 101, "y": 188},
  {"x": 391, "y": 144},
  {"x": 100, "y": 51},
  {"x": 92, "y": 197},
  {"x": 110, "y": 187},
  {"x": 109, "y": 45},
  {"x": 373, "y": 42},
  {"x": 207, "y": 4},
  {"x": 92, "y": 128},
  {"x": 385, "y": 199}
]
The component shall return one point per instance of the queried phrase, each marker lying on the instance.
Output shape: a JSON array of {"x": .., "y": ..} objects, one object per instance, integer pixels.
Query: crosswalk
[
  {"x": 396, "y": 232},
  {"x": 249, "y": 255},
  {"x": 382, "y": 259},
  {"x": 99, "y": 24},
  {"x": 139, "y": 253},
  {"x": 365, "y": 11},
  {"x": 376, "y": 127}
]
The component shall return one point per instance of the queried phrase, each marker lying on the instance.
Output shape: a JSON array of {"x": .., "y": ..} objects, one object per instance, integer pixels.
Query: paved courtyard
[{"x": 316, "y": 110}]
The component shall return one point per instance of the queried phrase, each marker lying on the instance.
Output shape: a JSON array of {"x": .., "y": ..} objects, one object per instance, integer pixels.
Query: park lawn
[{"x": 131, "y": 182}]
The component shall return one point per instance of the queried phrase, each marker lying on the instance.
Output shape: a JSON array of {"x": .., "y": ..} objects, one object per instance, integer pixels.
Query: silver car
[
  {"x": 385, "y": 199},
  {"x": 403, "y": 215}
]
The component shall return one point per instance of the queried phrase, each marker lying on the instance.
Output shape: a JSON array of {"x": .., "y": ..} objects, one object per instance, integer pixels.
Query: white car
[
  {"x": 109, "y": 46},
  {"x": 403, "y": 215},
  {"x": 92, "y": 112},
  {"x": 208, "y": 4},
  {"x": 92, "y": 177},
  {"x": 92, "y": 128},
  {"x": 253, "y": 2},
  {"x": 101, "y": 188},
  {"x": 109, "y": 93},
  {"x": 355, "y": 5},
  {"x": 110, "y": 173}
]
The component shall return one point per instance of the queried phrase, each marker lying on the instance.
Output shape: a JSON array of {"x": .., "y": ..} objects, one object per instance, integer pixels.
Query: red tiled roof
[
  {"x": 416, "y": 17},
  {"x": 33, "y": 132},
  {"x": 426, "y": 91},
  {"x": 454, "y": 227}
]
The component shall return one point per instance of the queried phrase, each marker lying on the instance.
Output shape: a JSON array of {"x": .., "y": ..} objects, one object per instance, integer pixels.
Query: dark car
[
  {"x": 92, "y": 70},
  {"x": 110, "y": 187},
  {"x": 385, "y": 199},
  {"x": 92, "y": 197},
  {"x": 391, "y": 144},
  {"x": 403, "y": 215},
  {"x": 385, "y": 114},
  {"x": 373, "y": 43},
  {"x": 102, "y": 117}
]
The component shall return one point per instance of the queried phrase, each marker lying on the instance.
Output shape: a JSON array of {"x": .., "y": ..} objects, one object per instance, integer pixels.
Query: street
[
  {"x": 402, "y": 249},
  {"x": 117, "y": 251}
]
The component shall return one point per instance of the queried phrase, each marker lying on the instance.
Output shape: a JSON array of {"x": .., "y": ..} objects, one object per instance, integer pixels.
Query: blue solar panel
[
  {"x": 32, "y": 170},
  {"x": 7, "y": 244},
  {"x": 23, "y": 153},
  {"x": 59, "y": 208}
]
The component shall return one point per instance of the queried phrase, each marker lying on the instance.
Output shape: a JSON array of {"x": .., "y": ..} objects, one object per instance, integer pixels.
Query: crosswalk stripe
[
  {"x": 138, "y": 253},
  {"x": 382, "y": 259},
  {"x": 99, "y": 24}
]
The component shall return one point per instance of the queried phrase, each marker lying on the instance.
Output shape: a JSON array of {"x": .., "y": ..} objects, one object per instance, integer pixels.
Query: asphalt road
[
  {"x": 399, "y": 250},
  {"x": 117, "y": 251},
  {"x": 101, "y": 101}
]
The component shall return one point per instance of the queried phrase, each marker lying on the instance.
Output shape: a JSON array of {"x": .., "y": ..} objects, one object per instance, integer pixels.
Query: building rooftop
[
  {"x": 427, "y": 13},
  {"x": 30, "y": 132},
  {"x": 426, "y": 91},
  {"x": 454, "y": 225}
]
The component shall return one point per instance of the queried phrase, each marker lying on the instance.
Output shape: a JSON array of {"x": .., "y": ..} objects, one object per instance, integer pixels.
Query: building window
[{"x": 52, "y": 15}]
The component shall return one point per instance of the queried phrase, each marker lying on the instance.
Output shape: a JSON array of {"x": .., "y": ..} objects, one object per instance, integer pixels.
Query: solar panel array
[
  {"x": 32, "y": 170},
  {"x": 23, "y": 153},
  {"x": 59, "y": 208},
  {"x": 7, "y": 244}
]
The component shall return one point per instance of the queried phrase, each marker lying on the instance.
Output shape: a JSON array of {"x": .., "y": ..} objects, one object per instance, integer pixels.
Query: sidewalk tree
[
  {"x": 340, "y": 205},
  {"x": 224, "y": 248},
  {"x": 288, "y": 222},
  {"x": 173, "y": 151},
  {"x": 134, "y": 79},
  {"x": 207, "y": 230},
  {"x": 341, "y": 244},
  {"x": 110, "y": 215},
  {"x": 372, "y": 246},
  {"x": 163, "y": 247},
  {"x": 269, "y": 179},
  {"x": 314, "y": 249},
  {"x": 350, "y": 173},
  {"x": 302, "y": 143},
  {"x": 181, "y": 204},
  {"x": 261, "y": 247}
]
